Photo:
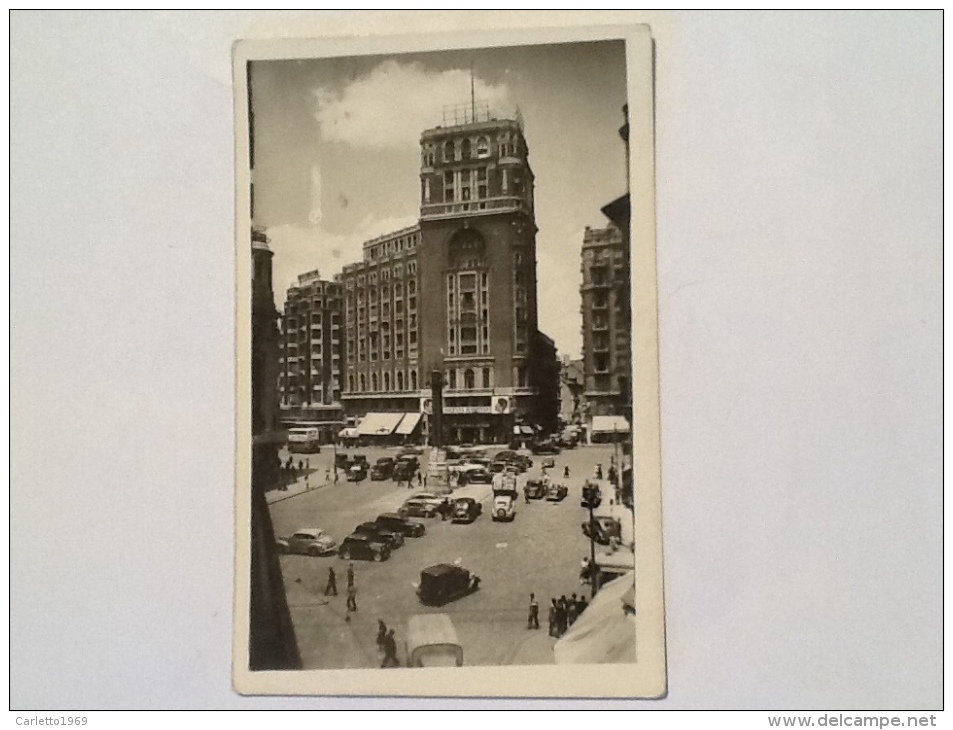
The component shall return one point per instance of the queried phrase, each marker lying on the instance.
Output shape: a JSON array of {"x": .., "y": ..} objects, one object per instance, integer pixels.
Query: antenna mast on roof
[{"x": 472, "y": 95}]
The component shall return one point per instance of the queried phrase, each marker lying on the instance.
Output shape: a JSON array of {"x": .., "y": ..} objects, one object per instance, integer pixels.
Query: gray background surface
[{"x": 800, "y": 277}]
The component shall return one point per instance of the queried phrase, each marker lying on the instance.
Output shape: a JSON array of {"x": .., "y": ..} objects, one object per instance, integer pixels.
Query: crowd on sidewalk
[{"x": 563, "y": 613}]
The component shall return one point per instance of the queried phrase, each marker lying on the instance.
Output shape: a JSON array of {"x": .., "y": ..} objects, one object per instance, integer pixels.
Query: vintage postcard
[{"x": 448, "y": 457}]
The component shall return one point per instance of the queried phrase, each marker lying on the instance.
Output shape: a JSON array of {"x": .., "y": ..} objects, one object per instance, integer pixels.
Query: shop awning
[
  {"x": 379, "y": 424},
  {"x": 605, "y": 632},
  {"x": 609, "y": 424},
  {"x": 408, "y": 423},
  {"x": 348, "y": 433}
]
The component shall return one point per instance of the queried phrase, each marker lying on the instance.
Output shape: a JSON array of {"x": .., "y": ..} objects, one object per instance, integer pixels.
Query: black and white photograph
[{"x": 441, "y": 360}]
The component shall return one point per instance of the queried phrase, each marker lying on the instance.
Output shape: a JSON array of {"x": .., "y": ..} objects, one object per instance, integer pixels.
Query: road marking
[{"x": 502, "y": 545}]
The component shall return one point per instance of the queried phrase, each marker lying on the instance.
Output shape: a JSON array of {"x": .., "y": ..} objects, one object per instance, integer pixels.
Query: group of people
[
  {"x": 289, "y": 472},
  {"x": 563, "y": 613},
  {"x": 331, "y": 589},
  {"x": 387, "y": 645}
]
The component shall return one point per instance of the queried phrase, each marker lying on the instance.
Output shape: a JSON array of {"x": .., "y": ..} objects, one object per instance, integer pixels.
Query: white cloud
[
  {"x": 390, "y": 106},
  {"x": 299, "y": 249}
]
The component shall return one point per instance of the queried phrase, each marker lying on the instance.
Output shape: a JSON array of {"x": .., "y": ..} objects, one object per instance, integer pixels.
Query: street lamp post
[{"x": 592, "y": 547}]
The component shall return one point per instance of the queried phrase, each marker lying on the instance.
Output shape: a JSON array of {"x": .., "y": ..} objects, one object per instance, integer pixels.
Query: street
[{"x": 540, "y": 551}]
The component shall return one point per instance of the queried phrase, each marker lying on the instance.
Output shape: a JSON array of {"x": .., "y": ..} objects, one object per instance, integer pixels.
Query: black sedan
[
  {"x": 392, "y": 539},
  {"x": 479, "y": 476},
  {"x": 393, "y": 522},
  {"x": 466, "y": 510},
  {"x": 363, "y": 547}
]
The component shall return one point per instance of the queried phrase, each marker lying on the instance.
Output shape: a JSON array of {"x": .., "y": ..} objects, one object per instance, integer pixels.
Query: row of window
[
  {"x": 405, "y": 243},
  {"x": 468, "y": 149},
  {"x": 382, "y": 381},
  {"x": 371, "y": 279}
]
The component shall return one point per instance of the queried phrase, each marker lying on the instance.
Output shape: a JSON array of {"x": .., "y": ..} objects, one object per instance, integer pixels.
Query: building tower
[{"x": 477, "y": 273}]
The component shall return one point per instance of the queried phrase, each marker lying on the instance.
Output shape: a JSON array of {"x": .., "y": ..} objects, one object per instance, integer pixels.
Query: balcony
[{"x": 478, "y": 206}]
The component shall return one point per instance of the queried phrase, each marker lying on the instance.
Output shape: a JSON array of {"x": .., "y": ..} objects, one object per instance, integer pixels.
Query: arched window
[
  {"x": 448, "y": 151},
  {"x": 386, "y": 381},
  {"x": 413, "y": 380},
  {"x": 400, "y": 380},
  {"x": 469, "y": 381},
  {"x": 483, "y": 147},
  {"x": 465, "y": 149},
  {"x": 350, "y": 382},
  {"x": 452, "y": 380},
  {"x": 363, "y": 383},
  {"x": 374, "y": 382}
]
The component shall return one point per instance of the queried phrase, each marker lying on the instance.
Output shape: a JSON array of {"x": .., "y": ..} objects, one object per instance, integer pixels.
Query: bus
[{"x": 304, "y": 440}]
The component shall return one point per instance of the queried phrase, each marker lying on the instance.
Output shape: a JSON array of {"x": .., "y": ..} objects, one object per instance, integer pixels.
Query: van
[{"x": 432, "y": 642}]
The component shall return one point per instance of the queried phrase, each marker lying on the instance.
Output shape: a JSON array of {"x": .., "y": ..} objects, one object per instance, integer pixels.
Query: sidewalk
[{"x": 301, "y": 485}]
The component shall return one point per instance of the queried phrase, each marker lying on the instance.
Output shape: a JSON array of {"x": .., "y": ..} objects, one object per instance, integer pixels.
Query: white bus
[{"x": 304, "y": 440}]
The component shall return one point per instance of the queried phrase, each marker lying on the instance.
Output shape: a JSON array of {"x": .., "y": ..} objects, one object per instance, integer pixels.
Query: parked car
[
  {"x": 534, "y": 489},
  {"x": 415, "y": 507},
  {"x": 549, "y": 463},
  {"x": 466, "y": 509},
  {"x": 382, "y": 469},
  {"x": 479, "y": 475},
  {"x": 357, "y": 473},
  {"x": 392, "y": 539},
  {"x": 504, "y": 508},
  {"x": 602, "y": 529},
  {"x": 307, "y": 541},
  {"x": 497, "y": 466},
  {"x": 432, "y": 642},
  {"x": 358, "y": 546},
  {"x": 556, "y": 492},
  {"x": 402, "y": 472},
  {"x": 395, "y": 523},
  {"x": 547, "y": 446},
  {"x": 410, "y": 451},
  {"x": 442, "y": 583},
  {"x": 342, "y": 461}
]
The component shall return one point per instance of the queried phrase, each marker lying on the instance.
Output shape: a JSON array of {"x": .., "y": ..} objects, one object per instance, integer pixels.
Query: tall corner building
[
  {"x": 606, "y": 326},
  {"x": 309, "y": 379},
  {"x": 455, "y": 293}
]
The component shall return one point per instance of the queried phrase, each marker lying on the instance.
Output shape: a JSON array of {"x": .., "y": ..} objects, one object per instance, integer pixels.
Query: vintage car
[
  {"x": 443, "y": 583},
  {"x": 382, "y": 469},
  {"x": 358, "y": 546},
  {"x": 547, "y": 446},
  {"x": 342, "y": 461},
  {"x": 591, "y": 496},
  {"x": 392, "y": 539},
  {"x": 504, "y": 508},
  {"x": 357, "y": 472},
  {"x": 534, "y": 489},
  {"x": 307, "y": 541},
  {"x": 466, "y": 510},
  {"x": 395, "y": 523},
  {"x": 548, "y": 463},
  {"x": 432, "y": 642},
  {"x": 556, "y": 492},
  {"x": 410, "y": 450},
  {"x": 479, "y": 475},
  {"x": 602, "y": 529},
  {"x": 498, "y": 465},
  {"x": 422, "y": 504}
]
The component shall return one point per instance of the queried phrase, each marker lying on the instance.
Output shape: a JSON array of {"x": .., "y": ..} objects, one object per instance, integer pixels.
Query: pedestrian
[
  {"x": 390, "y": 651},
  {"x": 381, "y": 634},
  {"x": 307, "y": 464},
  {"x": 332, "y": 587},
  {"x": 598, "y": 471},
  {"x": 445, "y": 508},
  {"x": 560, "y": 617},
  {"x": 553, "y": 615},
  {"x": 581, "y": 604},
  {"x": 425, "y": 480},
  {"x": 526, "y": 493},
  {"x": 420, "y": 479},
  {"x": 327, "y": 475},
  {"x": 532, "y": 621},
  {"x": 350, "y": 575},
  {"x": 400, "y": 479},
  {"x": 571, "y": 611},
  {"x": 566, "y": 472},
  {"x": 351, "y": 598}
]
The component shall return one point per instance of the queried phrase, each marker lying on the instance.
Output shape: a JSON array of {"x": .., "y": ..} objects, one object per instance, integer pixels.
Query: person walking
[
  {"x": 351, "y": 599},
  {"x": 390, "y": 651},
  {"x": 350, "y": 575},
  {"x": 381, "y": 634},
  {"x": 561, "y": 618},
  {"x": 332, "y": 587},
  {"x": 532, "y": 621},
  {"x": 566, "y": 472},
  {"x": 420, "y": 479}
]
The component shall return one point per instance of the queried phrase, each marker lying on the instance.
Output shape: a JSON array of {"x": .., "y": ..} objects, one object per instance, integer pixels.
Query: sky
[{"x": 337, "y": 152}]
